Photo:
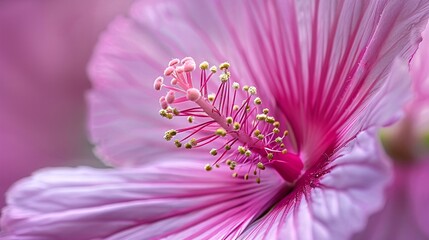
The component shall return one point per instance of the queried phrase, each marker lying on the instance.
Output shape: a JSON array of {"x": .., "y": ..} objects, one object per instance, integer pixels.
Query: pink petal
[
  {"x": 321, "y": 65},
  {"x": 352, "y": 45},
  {"x": 165, "y": 200},
  {"x": 420, "y": 72},
  {"x": 338, "y": 205},
  {"x": 418, "y": 110}
]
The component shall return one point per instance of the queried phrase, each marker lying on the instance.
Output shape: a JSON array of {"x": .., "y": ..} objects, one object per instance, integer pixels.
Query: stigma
[{"x": 223, "y": 116}]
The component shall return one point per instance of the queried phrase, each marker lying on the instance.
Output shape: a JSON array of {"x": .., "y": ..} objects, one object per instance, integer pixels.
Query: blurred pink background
[{"x": 44, "y": 49}]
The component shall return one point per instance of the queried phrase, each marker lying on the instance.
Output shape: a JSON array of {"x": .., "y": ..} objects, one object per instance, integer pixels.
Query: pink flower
[
  {"x": 44, "y": 49},
  {"x": 324, "y": 70},
  {"x": 405, "y": 214}
]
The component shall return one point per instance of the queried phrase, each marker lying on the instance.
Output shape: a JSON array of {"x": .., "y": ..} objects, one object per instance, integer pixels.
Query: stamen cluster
[{"x": 231, "y": 118}]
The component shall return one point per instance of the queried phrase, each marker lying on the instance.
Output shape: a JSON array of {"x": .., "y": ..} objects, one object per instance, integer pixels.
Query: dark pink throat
[{"x": 289, "y": 166}]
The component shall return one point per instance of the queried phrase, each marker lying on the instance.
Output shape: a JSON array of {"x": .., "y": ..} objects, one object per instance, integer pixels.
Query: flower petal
[
  {"x": 165, "y": 200},
  {"x": 346, "y": 51},
  {"x": 319, "y": 63},
  {"x": 337, "y": 206},
  {"x": 420, "y": 73}
]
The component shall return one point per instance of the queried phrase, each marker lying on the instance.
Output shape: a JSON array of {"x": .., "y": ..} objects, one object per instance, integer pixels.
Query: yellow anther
[
  {"x": 224, "y": 77},
  {"x": 188, "y": 146},
  {"x": 276, "y": 124},
  {"x": 177, "y": 143},
  {"x": 213, "y": 151},
  {"x": 270, "y": 156},
  {"x": 260, "y": 166},
  {"x": 236, "y": 126},
  {"x": 252, "y": 90},
  {"x": 211, "y": 97},
  {"x": 208, "y": 167},
  {"x": 258, "y": 180},
  {"x": 276, "y": 130},
  {"x": 279, "y": 140},
  {"x": 170, "y": 134},
  {"x": 284, "y": 151},
  {"x": 228, "y": 162},
  {"x": 285, "y": 133},
  {"x": 241, "y": 149},
  {"x": 245, "y": 88},
  {"x": 213, "y": 69},
  {"x": 235, "y": 175},
  {"x": 232, "y": 165},
  {"x": 190, "y": 119},
  {"x": 256, "y": 132},
  {"x": 163, "y": 113},
  {"x": 257, "y": 101},
  {"x": 270, "y": 120},
  {"x": 235, "y": 107},
  {"x": 169, "y": 115},
  {"x": 204, "y": 65},
  {"x": 261, "y": 117},
  {"x": 176, "y": 112},
  {"x": 224, "y": 66},
  {"x": 282, "y": 145},
  {"x": 261, "y": 136},
  {"x": 221, "y": 132},
  {"x": 168, "y": 137},
  {"x": 265, "y": 110},
  {"x": 193, "y": 142},
  {"x": 236, "y": 85},
  {"x": 248, "y": 153},
  {"x": 248, "y": 108},
  {"x": 227, "y": 147},
  {"x": 229, "y": 120},
  {"x": 246, "y": 176}
]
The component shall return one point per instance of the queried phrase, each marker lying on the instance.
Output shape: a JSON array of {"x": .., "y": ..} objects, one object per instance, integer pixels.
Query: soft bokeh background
[{"x": 44, "y": 48}]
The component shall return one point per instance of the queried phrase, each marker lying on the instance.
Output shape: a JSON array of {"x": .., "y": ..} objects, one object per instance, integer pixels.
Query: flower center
[{"x": 243, "y": 135}]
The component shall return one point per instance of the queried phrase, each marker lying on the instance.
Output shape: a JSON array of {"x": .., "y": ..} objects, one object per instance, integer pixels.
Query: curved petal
[
  {"x": 420, "y": 72},
  {"x": 334, "y": 203},
  {"x": 418, "y": 109},
  {"x": 170, "y": 200},
  {"x": 318, "y": 63}
]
